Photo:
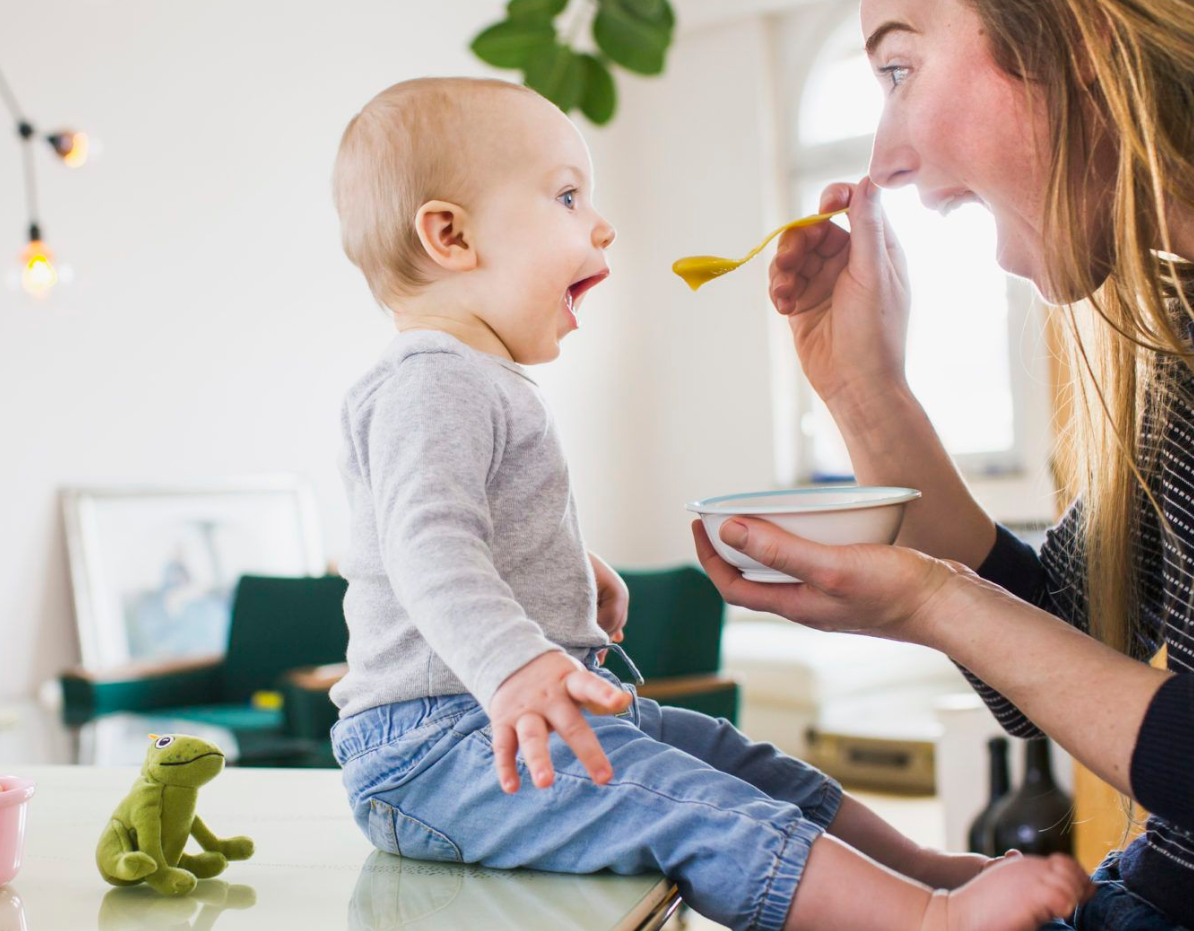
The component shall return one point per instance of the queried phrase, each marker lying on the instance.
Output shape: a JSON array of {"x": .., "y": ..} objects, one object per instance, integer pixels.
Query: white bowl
[{"x": 836, "y": 515}]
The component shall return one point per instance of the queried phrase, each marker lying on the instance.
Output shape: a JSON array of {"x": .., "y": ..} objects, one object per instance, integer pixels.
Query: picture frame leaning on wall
[{"x": 154, "y": 567}]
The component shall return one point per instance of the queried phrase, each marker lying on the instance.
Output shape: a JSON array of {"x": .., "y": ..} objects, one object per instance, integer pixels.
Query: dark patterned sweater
[{"x": 1159, "y": 865}]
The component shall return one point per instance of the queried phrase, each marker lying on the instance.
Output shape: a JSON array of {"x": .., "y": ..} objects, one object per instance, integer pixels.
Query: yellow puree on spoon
[{"x": 696, "y": 270}]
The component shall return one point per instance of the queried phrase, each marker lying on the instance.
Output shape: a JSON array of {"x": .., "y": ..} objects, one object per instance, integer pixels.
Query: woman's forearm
[
  {"x": 1062, "y": 679},
  {"x": 892, "y": 442}
]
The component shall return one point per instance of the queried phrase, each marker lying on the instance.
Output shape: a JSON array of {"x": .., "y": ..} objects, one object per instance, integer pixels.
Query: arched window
[{"x": 964, "y": 361}]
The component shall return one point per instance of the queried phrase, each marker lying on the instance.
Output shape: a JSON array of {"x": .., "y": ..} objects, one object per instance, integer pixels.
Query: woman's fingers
[
  {"x": 536, "y": 752},
  {"x": 836, "y": 196},
  {"x": 802, "y": 559},
  {"x": 820, "y": 289},
  {"x": 807, "y": 265},
  {"x": 790, "y": 601},
  {"x": 505, "y": 749}
]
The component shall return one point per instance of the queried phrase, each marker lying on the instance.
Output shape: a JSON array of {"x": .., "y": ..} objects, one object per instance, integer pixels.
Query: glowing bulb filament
[
  {"x": 38, "y": 274},
  {"x": 76, "y": 155}
]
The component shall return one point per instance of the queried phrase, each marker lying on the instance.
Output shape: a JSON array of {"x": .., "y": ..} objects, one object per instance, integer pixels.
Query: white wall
[{"x": 213, "y": 323}]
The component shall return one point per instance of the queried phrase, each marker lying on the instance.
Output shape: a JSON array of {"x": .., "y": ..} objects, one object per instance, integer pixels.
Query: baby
[{"x": 477, "y": 619}]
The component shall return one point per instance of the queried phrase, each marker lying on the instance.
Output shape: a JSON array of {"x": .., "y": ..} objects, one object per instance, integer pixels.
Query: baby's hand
[
  {"x": 613, "y": 599},
  {"x": 548, "y": 694}
]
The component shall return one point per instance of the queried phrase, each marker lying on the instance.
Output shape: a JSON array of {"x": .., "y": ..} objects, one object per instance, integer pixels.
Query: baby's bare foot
[{"x": 1016, "y": 894}]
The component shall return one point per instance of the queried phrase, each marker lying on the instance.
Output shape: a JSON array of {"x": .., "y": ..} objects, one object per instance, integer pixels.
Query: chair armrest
[
  {"x": 309, "y": 712},
  {"x": 315, "y": 678},
  {"x": 672, "y": 687},
  {"x": 140, "y": 687},
  {"x": 714, "y": 695}
]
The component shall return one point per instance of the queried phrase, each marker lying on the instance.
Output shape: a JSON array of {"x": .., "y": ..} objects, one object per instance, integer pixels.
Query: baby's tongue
[{"x": 568, "y": 306}]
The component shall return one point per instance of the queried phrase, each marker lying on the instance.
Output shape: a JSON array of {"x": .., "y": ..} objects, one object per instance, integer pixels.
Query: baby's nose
[{"x": 603, "y": 235}]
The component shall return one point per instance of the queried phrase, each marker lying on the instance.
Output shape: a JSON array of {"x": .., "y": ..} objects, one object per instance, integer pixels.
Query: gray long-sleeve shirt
[{"x": 465, "y": 559}]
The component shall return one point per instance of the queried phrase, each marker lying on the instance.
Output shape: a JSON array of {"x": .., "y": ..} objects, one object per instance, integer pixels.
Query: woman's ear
[{"x": 443, "y": 229}]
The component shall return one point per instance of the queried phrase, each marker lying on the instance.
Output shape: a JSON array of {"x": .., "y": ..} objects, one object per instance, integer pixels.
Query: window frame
[{"x": 1015, "y": 484}]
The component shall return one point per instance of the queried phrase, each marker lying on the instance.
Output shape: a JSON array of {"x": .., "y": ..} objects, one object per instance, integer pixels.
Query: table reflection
[
  {"x": 395, "y": 892},
  {"x": 139, "y": 908}
]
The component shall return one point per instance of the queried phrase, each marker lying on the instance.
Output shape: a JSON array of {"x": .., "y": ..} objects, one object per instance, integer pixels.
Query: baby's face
[{"x": 540, "y": 242}]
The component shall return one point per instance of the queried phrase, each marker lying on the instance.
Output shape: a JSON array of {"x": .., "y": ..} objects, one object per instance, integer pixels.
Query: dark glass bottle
[
  {"x": 979, "y": 838},
  {"x": 1036, "y": 817}
]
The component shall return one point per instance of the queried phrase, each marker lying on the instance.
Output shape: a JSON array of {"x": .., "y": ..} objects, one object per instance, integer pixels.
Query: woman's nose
[
  {"x": 603, "y": 234},
  {"x": 893, "y": 161}
]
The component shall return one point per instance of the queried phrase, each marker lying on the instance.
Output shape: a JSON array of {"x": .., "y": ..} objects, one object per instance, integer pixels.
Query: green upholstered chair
[
  {"x": 277, "y": 624},
  {"x": 673, "y": 635}
]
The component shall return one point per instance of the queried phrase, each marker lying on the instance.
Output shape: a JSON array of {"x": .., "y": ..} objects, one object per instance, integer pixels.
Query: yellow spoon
[{"x": 697, "y": 270}]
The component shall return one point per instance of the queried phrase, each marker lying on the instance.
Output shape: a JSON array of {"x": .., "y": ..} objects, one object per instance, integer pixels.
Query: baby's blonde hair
[{"x": 414, "y": 142}]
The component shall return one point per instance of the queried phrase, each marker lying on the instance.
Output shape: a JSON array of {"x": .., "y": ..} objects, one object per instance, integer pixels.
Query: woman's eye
[
  {"x": 896, "y": 73},
  {"x": 568, "y": 199}
]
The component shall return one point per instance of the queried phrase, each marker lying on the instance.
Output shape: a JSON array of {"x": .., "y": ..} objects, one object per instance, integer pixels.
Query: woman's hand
[
  {"x": 882, "y": 591},
  {"x": 845, "y": 296}
]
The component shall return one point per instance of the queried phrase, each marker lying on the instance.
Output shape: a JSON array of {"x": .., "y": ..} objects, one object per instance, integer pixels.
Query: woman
[{"x": 1073, "y": 122}]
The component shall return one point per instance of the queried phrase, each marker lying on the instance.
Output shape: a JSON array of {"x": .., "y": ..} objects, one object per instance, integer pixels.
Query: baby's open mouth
[{"x": 577, "y": 289}]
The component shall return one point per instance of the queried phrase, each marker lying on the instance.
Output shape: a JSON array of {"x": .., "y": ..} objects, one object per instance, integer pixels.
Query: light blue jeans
[
  {"x": 1113, "y": 907},
  {"x": 730, "y": 821}
]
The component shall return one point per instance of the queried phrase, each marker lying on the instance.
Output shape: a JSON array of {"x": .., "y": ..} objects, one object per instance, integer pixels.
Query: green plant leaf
[
  {"x": 509, "y": 44},
  {"x": 656, "y": 12},
  {"x": 543, "y": 11},
  {"x": 631, "y": 42},
  {"x": 600, "y": 97},
  {"x": 557, "y": 73}
]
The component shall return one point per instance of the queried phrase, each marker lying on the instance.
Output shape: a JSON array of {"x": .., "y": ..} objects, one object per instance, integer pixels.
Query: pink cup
[{"x": 14, "y": 802}]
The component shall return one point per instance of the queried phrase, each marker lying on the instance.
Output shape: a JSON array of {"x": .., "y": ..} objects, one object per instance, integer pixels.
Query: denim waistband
[
  {"x": 591, "y": 660},
  {"x": 383, "y": 724}
]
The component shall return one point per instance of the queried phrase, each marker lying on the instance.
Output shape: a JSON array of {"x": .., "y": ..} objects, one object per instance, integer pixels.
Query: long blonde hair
[{"x": 1117, "y": 74}]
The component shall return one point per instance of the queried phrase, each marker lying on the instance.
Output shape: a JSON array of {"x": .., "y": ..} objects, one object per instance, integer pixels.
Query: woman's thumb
[
  {"x": 768, "y": 544},
  {"x": 867, "y": 237}
]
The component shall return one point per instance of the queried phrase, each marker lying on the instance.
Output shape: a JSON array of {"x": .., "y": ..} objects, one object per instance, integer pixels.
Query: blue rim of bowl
[{"x": 896, "y": 496}]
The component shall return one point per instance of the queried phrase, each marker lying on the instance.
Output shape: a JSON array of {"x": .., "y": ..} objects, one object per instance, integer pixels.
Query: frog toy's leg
[
  {"x": 119, "y": 860},
  {"x": 234, "y": 848},
  {"x": 166, "y": 879},
  {"x": 204, "y": 865}
]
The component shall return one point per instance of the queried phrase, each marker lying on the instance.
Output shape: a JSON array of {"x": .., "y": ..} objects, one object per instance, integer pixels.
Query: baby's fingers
[
  {"x": 595, "y": 694},
  {"x": 536, "y": 752},
  {"x": 505, "y": 747},
  {"x": 574, "y": 730}
]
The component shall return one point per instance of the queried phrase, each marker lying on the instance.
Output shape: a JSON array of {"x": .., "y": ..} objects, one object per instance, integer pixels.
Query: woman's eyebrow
[{"x": 872, "y": 42}]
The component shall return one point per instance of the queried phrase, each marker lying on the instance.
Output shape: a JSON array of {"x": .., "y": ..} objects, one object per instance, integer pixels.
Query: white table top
[{"x": 312, "y": 868}]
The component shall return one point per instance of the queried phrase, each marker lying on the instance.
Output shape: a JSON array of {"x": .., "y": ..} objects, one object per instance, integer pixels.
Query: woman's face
[{"x": 957, "y": 126}]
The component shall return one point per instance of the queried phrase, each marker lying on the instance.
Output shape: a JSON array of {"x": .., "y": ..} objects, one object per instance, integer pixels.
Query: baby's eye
[
  {"x": 163, "y": 742},
  {"x": 568, "y": 199}
]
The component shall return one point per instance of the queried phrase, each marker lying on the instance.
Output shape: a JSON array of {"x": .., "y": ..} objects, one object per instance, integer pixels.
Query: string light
[
  {"x": 70, "y": 146},
  {"x": 39, "y": 274}
]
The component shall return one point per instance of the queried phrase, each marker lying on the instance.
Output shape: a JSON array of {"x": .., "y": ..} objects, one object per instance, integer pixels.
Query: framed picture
[{"x": 154, "y": 568}]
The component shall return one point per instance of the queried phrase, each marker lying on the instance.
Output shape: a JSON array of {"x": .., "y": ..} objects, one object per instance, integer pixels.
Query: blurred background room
[{"x": 172, "y": 388}]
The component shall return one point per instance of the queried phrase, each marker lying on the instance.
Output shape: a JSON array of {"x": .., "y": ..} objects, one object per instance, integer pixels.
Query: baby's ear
[{"x": 443, "y": 229}]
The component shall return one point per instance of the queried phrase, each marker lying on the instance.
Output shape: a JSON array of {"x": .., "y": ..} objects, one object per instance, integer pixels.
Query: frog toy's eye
[{"x": 163, "y": 742}]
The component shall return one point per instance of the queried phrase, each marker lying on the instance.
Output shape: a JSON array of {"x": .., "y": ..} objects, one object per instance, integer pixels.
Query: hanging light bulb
[
  {"x": 72, "y": 147},
  {"x": 38, "y": 274}
]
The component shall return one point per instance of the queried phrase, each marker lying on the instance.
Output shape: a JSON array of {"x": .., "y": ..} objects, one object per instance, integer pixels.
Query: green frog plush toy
[{"x": 145, "y": 837}]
